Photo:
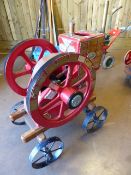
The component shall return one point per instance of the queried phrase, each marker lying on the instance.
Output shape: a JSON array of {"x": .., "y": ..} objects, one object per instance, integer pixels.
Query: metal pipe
[
  {"x": 71, "y": 28},
  {"x": 113, "y": 12}
]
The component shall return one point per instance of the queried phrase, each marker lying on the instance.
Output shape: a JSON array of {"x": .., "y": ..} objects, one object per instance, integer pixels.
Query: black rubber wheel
[{"x": 108, "y": 62}]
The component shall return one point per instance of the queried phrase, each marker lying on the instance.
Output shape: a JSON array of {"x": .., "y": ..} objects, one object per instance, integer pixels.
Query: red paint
[
  {"x": 19, "y": 50},
  {"x": 66, "y": 93},
  {"x": 114, "y": 33},
  {"x": 56, "y": 112},
  {"x": 127, "y": 58}
]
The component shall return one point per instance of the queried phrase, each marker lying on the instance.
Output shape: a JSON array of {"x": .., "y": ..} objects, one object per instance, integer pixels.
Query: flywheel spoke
[
  {"x": 69, "y": 75},
  {"x": 20, "y": 74},
  {"x": 28, "y": 60},
  {"x": 50, "y": 105},
  {"x": 80, "y": 81},
  {"x": 41, "y": 54}
]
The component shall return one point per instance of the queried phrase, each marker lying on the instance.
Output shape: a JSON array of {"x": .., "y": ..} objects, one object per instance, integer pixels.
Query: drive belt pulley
[{"x": 60, "y": 87}]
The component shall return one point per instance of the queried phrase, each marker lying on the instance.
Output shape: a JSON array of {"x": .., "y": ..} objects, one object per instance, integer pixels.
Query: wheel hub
[
  {"x": 75, "y": 100},
  {"x": 109, "y": 62},
  {"x": 71, "y": 97}
]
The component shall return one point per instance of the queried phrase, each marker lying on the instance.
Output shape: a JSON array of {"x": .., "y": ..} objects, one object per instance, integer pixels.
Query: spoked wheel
[
  {"x": 22, "y": 54},
  {"x": 46, "y": 152},
  {"x": 59, "y": 89},
  {"x": 95, "y": 119},
  {"x": 127, "y": 58},
  {"x": 108, "y": 61},
  {"x": 15, "y": 108}
]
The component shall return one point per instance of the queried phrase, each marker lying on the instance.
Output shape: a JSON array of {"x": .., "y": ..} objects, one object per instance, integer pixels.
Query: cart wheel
[
  {"x": 46, "y": 152},
  {"x": 15, "y": 108},
  {"x": 108, "y": 62},
  {"x": 95, "y": 119}
]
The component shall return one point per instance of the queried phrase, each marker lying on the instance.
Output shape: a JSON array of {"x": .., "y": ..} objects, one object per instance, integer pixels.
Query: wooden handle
[
  {"x": 91, "y": 106},
  {"x": 16, "y": 115},
  {"x": 54, "y": 25},
  {"x": 50, "y": 21},
  {"x": 31, "y": 134},
  {"x": 91, "y": 103},
  {"x": 105, "y": 15},
  {"x": 92, "y": 99}
]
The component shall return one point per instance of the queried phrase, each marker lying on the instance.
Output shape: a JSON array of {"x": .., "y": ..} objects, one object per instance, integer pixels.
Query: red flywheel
[
  {"x": 60, "y": 87},
  {"x": 127, "y": 58},
  {"x": 23, "y": 51}
]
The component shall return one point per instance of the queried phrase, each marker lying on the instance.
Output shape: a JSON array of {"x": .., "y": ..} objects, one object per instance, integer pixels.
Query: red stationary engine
[{"x": 60, "y": 86}]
